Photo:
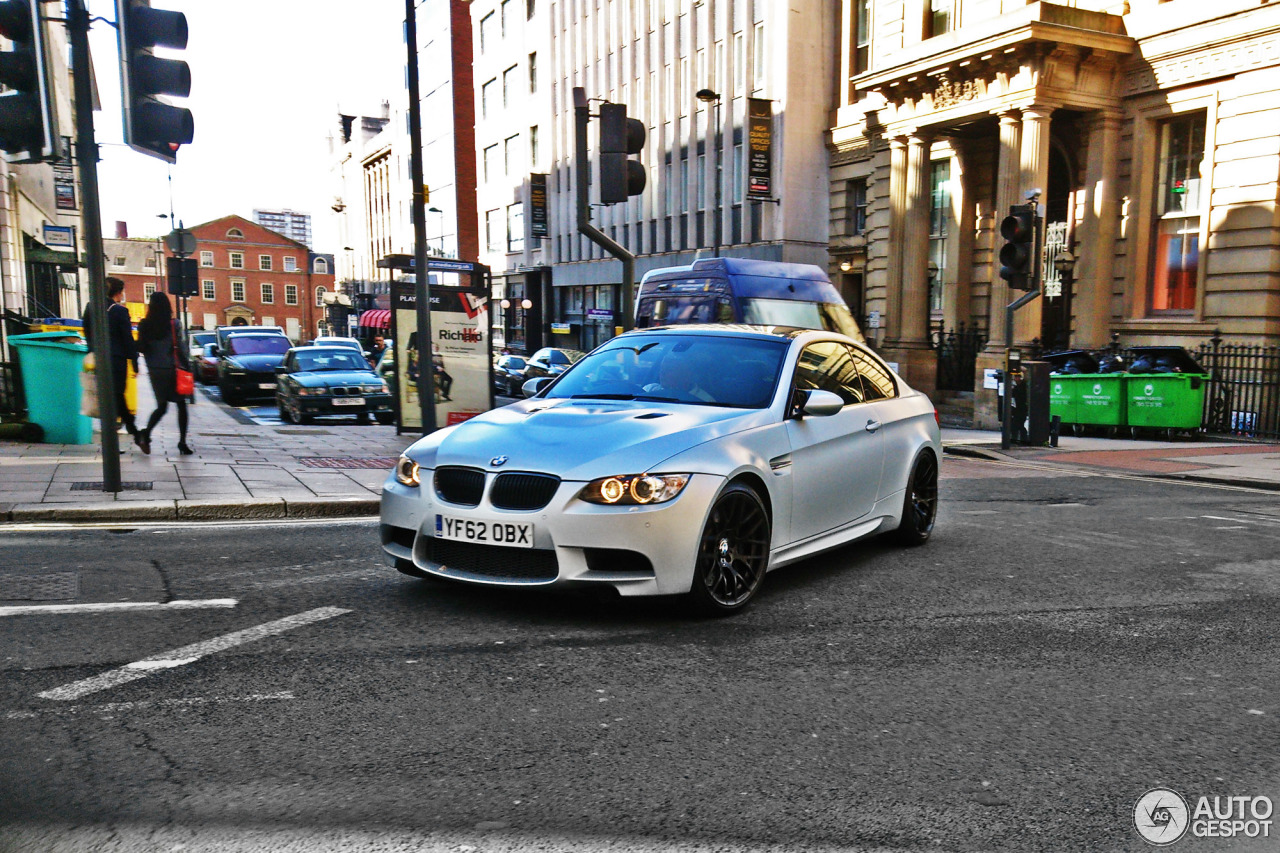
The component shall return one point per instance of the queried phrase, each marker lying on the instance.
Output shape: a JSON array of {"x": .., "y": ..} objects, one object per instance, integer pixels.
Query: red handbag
[{"x": 186, "y": 381}]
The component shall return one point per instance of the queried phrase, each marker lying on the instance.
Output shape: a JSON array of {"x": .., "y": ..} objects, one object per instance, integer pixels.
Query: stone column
[
  {"x": 1096, "y": 249},
  {"x": 897, "y": 220},
  {"x": 1008, "y": 179},
  {"x": 1035, "y": 176},
  {"x": 914, "y": 330}
]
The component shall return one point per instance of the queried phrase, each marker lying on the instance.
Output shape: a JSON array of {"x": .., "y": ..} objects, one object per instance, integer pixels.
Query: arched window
[
  {"x": 320, "y": 292},
  {"x": 322, "y": 266},
  {"x": 236, "y": 233}
]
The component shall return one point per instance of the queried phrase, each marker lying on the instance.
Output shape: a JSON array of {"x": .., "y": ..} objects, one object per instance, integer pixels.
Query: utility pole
[
  {"x": 87, "y": 154},
  {"x": 421, "y": 277}
]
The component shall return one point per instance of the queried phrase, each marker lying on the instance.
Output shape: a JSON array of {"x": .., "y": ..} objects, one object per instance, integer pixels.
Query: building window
[
  {"x": 237, "y": 260},
  {"x": 237, "y": 291},
  {"x": 486, "y": 32},
  {"x": 855, "y": 203},
  {"x": 268, "y": 321},
  {"x": 508, "y": 85},
  {"x": 235, "y": 233},
  {"x": 487, "y": 94},
  {"x": 940, "y": 17},
  {"x": 490, "y": 161},
  {"x": 206, "y": 259},
  {"x": 264, "y": 262},
  {"x": 533, "y": 73},
  {"x": 268, "y": 293},
  {"x": 939, "y": 227},
  {"x": 149, "y": 262},
  {"x": 492, "y": 229},
  {"x": 148, "y": 290},
  {"x": 320, "y": 292},
  {"x": 291, "y": 294},
  {"x": 505, "y": 12},
  {"x": 862, "y": 36},
  {"x": 511, "y": 155},
  {"x": 528, "y": 9},
  {"x": 1178, "y": 208},
  {"x": 515, "y": 227},
  {"x": 208, "y": 290},
  {"x": 759, "y": 59},
  {"x": 291, "y": 264},
  {"x": 533, "y": 146},
  {"x": 322, "y": 266},
  {"x": 117, "y": 262}
]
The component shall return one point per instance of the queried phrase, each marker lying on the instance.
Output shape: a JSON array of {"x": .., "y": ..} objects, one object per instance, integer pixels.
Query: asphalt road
[{"x": 1064, "y": 644}]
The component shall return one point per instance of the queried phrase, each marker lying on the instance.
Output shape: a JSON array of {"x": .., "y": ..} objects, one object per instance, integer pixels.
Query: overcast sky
[{"x": 268, "y": 79}]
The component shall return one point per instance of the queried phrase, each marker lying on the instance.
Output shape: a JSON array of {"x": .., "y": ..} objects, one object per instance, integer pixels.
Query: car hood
[
  {"x": 329, "y": 378},
  {"x": 256, "y": 363},
  {"x": 581, "y": 439}
]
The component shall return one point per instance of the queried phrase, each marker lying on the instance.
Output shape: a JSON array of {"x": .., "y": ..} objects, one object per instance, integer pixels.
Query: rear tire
[
  {"x": 733, "y": 553},
  {"x": 920, "y": 502}
]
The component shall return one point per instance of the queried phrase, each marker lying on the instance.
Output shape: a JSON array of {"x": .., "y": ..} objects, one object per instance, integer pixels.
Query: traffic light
[
  {"x": 28, "y": 122},
  {"x": 151, "y": 125},
  {"x": 182, "y": 276},
  {"x": 620, "y": 137},
  {"x": 1017, "y": 256}
]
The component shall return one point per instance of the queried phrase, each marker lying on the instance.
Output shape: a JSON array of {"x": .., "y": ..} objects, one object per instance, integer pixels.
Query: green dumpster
[
  {"x": 1166, "y": 389},
  {"x": 1083, "y": 397},
  {"x": 51, "y": 363}
]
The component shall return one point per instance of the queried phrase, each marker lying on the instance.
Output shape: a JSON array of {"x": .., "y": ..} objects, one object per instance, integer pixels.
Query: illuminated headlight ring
[
  {"x": 634, "y": 489},
  {"x": 407, "y": 472}
]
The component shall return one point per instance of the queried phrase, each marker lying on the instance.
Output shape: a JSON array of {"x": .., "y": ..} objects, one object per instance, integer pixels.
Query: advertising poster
[
  {"x": 537, "y": 205},
  {"x": 460, "y": 353},
  {"x": 759, "y": 147}
]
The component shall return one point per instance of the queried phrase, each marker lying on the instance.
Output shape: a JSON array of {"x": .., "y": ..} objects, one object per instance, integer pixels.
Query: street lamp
[
  {"x": 709, "y": 97},
  {"x": 441, "y": 212}
]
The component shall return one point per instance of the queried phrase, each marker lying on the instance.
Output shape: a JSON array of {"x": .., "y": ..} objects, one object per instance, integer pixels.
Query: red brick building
[{"x": 245, "y": 274}]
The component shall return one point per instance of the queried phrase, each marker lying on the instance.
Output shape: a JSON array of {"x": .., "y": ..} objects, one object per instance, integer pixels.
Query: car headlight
[
  {"x": 311, "y": 392},
  {"x": 633, "y": 489},
  {"x": 407, "y": 472},
  {"x": 374, "y": 389}
]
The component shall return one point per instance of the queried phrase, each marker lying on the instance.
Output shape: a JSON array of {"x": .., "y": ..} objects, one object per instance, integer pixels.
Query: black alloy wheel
[
  {"x": 920, "y": 503},
  {"x": 733, "y": 553}
]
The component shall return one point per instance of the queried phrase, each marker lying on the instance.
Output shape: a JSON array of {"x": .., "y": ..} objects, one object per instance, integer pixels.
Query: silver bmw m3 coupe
[{"x": 681, "y": 460}]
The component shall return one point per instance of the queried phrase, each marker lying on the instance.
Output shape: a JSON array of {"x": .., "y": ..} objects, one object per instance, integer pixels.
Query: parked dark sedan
[
  {"x": 550, "y": 361},
  {"x": 508, "y": 375},
  {"x": 247, "y": 365},
  {"x": 330, "y": 381}
]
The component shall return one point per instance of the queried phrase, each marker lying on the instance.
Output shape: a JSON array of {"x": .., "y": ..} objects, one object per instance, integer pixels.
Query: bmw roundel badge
[{"x": 498, "y": 461}]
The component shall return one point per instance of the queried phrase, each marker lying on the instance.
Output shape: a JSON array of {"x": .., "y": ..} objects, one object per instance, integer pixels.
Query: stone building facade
[{"x": 1149, "y": 128}]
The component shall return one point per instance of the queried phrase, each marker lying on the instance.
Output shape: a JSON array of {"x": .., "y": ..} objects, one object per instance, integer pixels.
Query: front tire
[
  {"x": 920, "y": 502},
  {"x": 733, "y": 553}
]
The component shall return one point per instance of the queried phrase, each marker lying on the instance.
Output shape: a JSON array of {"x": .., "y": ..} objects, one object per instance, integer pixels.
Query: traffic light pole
[
  {"x": 581, "y": 116},
  {"x": 421, "y": 276},
  {"x": 87, "y": 154}
]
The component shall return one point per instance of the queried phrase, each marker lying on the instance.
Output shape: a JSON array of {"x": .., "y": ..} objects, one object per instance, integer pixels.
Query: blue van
[{"x": 739, "y": 290}]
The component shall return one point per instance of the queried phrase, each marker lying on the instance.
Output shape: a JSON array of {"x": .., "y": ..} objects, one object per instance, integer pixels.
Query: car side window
[
  {"x": 877, "y": 384},
  {"x": 828, "y": 366}
]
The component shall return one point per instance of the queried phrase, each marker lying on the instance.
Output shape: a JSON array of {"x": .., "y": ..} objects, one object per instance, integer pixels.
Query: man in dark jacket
[{"x": 123, "y": 348}]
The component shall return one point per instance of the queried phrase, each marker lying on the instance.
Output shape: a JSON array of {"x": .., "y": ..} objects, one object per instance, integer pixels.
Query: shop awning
[{"x": 377, "y": 318}]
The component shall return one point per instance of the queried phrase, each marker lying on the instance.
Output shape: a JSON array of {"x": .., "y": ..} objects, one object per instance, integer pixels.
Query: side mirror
[
  {"x": 822, "y": 403},
  {"x": 216, "y": 351},
  {"x": 533, "y": 386},
  {"x": 280, "y": 369}
]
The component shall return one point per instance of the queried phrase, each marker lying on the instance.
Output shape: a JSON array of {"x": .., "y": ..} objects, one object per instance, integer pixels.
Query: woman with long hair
[{"x": 158, "y": 341}]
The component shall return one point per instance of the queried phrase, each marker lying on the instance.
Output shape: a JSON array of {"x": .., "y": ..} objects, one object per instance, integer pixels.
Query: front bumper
[
  {"x": 250, "y": 384},
  {"x": 638, "y": 550},
  {"x": 326, "y": 405}
]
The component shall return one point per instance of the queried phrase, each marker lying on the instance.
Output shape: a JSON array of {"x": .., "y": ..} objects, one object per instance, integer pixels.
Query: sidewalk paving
[{"x": 331, "y": 469}]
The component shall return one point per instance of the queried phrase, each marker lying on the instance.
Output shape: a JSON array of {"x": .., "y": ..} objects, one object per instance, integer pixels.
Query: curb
[{"x": 278, "y": 508}]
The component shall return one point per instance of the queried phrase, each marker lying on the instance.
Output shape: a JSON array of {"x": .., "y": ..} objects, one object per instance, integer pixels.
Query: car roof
[
  {"x": 322, "y": 348},
  {"x": 788, "y": 333}
]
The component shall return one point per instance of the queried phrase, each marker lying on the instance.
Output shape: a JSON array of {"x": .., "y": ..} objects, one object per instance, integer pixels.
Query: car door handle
[{"x": 873, "y": 425}]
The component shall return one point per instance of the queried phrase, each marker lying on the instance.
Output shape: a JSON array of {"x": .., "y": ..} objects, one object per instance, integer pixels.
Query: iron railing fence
[
  {"x": 12, "y": 404},
  {"x": 957, "y": 351}
]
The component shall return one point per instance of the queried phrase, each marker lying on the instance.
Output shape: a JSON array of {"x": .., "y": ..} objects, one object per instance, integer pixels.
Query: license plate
[
  {"x": 348, "y": 401},
  {"x": 264, "y": 386},
  {"x": 484, "y": 532}
]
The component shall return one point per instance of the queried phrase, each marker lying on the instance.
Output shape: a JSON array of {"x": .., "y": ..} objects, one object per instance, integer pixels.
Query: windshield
[
  {"x": 513, "y": 363},
  {"x": 681, "y": 310},
  {"x": 258, "y": 345},
  {"x": 556, "y": 356},
  {"x": 331, "y": 359},
  {"x": 201, "y": 338},
  {"x": 831, "y": 316},
  {"x": 678, "y": 369}
]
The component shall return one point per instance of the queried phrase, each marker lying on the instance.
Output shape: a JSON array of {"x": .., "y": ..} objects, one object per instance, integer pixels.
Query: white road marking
[
  {"x": 116, "y": 606},
  {"x": 188, "y": 654},
  {"x": 1225, "y": 518},
  {"x": 113, "y": 707}
]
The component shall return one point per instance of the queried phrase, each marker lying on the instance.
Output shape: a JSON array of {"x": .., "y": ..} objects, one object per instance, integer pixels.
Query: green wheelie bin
[
  {"x": 1081, "y": 396},
  {"x": 1166, "y": 390},
  {"x": 51, "y": 363}
]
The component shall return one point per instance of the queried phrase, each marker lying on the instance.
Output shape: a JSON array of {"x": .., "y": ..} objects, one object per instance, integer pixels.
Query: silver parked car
[{"x": 686, "y": 459}]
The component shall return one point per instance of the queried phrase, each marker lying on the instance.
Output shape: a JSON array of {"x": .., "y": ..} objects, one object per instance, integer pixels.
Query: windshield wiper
[{"x": 602, "y": 396}]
